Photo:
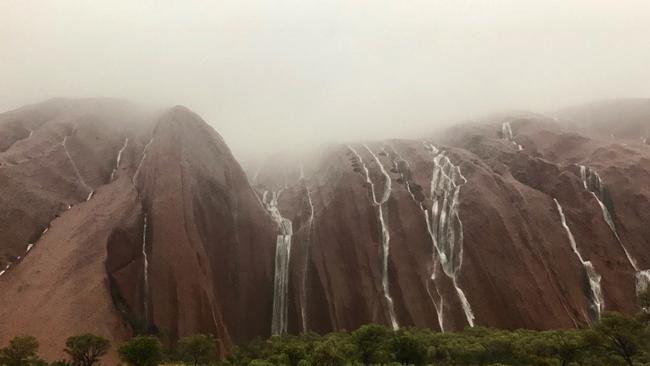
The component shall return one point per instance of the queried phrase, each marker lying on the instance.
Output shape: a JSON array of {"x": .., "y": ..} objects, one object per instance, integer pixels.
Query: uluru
[{"x": 324, "y": 183}]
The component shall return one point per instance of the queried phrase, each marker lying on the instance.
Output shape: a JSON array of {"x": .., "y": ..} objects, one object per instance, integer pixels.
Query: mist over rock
[{"x": 117, "y": 220}]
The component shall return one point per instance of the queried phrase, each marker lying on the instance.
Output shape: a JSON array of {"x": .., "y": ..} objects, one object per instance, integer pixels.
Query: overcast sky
[{"x": 273, "y": 74}]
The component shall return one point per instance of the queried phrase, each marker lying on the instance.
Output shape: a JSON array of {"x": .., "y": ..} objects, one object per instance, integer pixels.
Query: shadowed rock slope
[
  {"x": 115, "y": 220},
  {"x": 512, "y": 221}
]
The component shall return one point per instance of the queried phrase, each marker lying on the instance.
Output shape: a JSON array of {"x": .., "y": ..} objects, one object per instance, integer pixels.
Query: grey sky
[{"x": 273, "y": 74}]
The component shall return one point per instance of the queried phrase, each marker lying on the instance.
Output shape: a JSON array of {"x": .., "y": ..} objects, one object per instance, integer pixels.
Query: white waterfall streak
[
  {"x": 279, "y": 321},
  {"x": 445, "y": 226},
  {"x": 642, "y": 280},
  {"x": 385, "y": 233},
  {"x": 144, "y": 155},
  {"x": 119, "y": 158},
  {"x": 506, "y": 130},
  {"x": 7, "y": 267},
  {"x": 29, "y": 247},
  {"x": 145, "y": 270},
  {"x": 303, "y": 294},
  {"x": 594, "y": 184},
  {"x": 597, "y": 301},
  {"x": 74, "y": 166},
  {"x": 437, "y": 305},
  {"x": 31, "y": 133}
]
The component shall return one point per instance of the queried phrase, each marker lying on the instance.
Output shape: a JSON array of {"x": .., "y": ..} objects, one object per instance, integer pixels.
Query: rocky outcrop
[
  {"x": 210, "y": 242},
  {"x": 117, "y": 221},
  {"x": 154, "y": 216},
  {"x": 489, "y": 224}
]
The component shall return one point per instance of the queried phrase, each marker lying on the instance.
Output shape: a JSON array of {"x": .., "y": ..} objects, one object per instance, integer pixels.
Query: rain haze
[{"x": 277, "y": 75}]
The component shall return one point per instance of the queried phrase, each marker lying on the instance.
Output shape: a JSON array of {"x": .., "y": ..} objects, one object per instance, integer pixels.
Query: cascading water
[
  {"x": 145, "y": 258},
  {"x": 279, "y": 320},
  {"x": 145, "y": 270},
  {"x": 29, "y": 247},
  {"x": 385, "y": 237},
  {"x": 597, "y": 301},
  {"x": 7, "y": 267},
  {"x": 506, "y": 131},
  {"x": 74, "y": 166},
  {"x": 385, "y": 234},
  {"x": 444, "y": 224},
  {"x": 594, "y": 184},
  {"x": 144, "y": 156},
  {"x": 437, "y": 305},
  {"x": 303, "y": 294},
  {"x": 119, "y": 158}
]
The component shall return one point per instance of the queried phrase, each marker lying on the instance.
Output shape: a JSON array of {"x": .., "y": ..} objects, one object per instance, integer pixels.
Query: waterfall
[
  {"x": 74, "y": 166},
  {"x": 144, "y": 155},
  {"x": 385, "y": 233},
  {"x": 438, "y": 306},
  {"x": 29, "y": 247},
  {"x": 280, "y": 317},
  {"x": 7, "y": 267},
  {"x": 642, "y": 280},
  {"x": 444, "y": 224},
  {"x": 506, "y": 131},
  {"x": 119, "y": 158},
  {"x": 595, "y": 292},
  {"x": 303, "y": 294},
  {"x": 145, "y": 270},
  {"x": 594, "y": 184},
  {"x": 385, "y": 237}
]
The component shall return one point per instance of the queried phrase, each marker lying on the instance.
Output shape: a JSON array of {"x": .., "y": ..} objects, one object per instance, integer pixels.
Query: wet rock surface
[{"x": 115, "y": 220}]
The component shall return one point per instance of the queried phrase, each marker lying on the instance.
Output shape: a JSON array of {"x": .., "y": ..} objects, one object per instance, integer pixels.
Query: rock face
[
  {"x": 518, "y": 220},
  {"x": 117, "y": 221},
  {"x": 114, "y": 220}
]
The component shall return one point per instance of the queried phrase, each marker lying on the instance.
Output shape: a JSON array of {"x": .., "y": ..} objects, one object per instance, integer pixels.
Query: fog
[{"x": 273, "y": 75}]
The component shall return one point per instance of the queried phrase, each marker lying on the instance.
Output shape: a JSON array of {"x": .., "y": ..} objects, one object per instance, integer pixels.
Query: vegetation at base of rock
[
  {"x": 614, "y": 340},
  {"x": 198, "y": 349},
  {"x": 142, "y": 351},
  {"x": 86, "y": 349},
  {"x": 22, "y": 350}
]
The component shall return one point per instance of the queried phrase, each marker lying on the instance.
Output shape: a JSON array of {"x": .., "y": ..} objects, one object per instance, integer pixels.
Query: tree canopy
[{"x": 86, "y": 349}]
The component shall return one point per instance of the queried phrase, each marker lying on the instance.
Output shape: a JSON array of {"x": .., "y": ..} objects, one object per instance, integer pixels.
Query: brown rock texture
[
  {"x": 79, "y": 180},
  {"x": 117, "y": 221},
  {"x": 501, "y": 257}
]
